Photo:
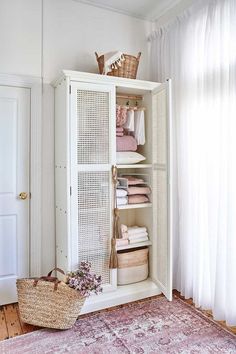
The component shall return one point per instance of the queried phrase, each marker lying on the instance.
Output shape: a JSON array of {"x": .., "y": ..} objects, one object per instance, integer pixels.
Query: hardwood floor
[{"x": 11, "y": 324}]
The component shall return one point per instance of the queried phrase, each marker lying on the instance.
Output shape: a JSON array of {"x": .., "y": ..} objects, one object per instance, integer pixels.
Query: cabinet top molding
[{"x": 105, "y": 79}]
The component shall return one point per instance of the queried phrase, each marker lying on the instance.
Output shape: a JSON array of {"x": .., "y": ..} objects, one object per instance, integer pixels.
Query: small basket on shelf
[{"x": 128, "y": 67}]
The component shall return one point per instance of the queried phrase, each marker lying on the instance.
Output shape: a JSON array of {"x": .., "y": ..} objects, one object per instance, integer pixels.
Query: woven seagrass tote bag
[{"x": 48, "y": 302}]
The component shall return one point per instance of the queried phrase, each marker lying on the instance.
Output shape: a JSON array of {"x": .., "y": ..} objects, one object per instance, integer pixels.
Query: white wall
[
  {"x": 72, "y": 32},
  {"x": 20, "y": 37}
]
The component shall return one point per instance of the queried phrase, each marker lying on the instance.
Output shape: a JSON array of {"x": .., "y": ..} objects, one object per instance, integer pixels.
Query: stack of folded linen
[
  {"x": 125, "y": 143},
  {"x": 134, "y": 234},
  {"x": 137, "y": 190},
  {"x": 121, "y": 197},
  {"x": 119, "y": 131},
  {"x": 123, "y": 241}
]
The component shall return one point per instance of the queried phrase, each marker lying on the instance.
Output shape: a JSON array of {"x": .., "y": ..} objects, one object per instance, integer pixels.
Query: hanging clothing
[
  {"x": 129, "y": 125},
  {"x": 121, "y": 115},
  {"x": 139, "y": 127}
]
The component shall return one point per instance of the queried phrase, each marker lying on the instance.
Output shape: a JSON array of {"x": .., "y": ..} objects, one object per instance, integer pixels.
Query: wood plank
[
  {"x": 3, "y": 325},
  {"x": 12, "y": 320}
]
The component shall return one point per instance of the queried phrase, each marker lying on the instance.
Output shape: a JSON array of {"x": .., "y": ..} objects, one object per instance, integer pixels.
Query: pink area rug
[{"x": 150, "y": 326}]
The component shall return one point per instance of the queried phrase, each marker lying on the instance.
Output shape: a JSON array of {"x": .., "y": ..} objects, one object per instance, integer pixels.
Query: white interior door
[
  {"x": 162, "y": 204},
  {"x": 14, "y": 182}
]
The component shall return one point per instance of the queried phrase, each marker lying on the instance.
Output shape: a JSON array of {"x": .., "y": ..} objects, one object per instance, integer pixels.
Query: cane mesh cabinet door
[
  {"x": 162, "y": 263},
  {"x": 92, "y": 156}
]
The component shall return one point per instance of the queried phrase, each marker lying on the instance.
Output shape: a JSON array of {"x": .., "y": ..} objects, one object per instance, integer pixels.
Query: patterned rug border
[
  {"x": 200, "y": 312},
  {"x": 114, "y": 308}
]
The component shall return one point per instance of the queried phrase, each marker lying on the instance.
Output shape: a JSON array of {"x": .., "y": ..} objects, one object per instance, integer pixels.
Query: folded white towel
[
  {"x": 138, "y": 240},
  {"x": 121, "y": 192},
  {"x": 136, "y": 230},
  {"x": 124, "y": 235},
  {"x": 122, "y": 201},
  {"x": 123, "y": 228},
  {"x": 137, "y": 236},
  {"x": 121, "y": 242}
]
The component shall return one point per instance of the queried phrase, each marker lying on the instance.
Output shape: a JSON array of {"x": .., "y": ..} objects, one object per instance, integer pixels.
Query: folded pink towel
[
  {"x": 119, "y": 134},
  {"x": 137, "y": 199},
  {"x": 126, "y": 143},
  {"x": 119, "y": 129},
  {"x": 133, "y": 180},
  {"x": 138, "y": 190}
]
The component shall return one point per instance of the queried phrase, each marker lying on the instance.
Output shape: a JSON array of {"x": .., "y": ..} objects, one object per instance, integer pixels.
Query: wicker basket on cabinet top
[{"x": 128, "y": 68}]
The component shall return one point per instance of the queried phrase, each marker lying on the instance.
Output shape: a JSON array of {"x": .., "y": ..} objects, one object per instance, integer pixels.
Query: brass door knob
[{"x": 23, "y": 195}]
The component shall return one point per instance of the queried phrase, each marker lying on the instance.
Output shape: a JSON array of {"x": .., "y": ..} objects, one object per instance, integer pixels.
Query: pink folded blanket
[
  {"x": 126, "y": 143},
  {"x": 119, "y": 129},
  {"x": 137, "y": 199},
  {"x": 133, "y": 180},
  {"x": 138, "y": 190}
]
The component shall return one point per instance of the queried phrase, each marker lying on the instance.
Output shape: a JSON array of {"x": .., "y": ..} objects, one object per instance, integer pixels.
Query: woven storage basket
[
  {"x": 132, "y": 266},
  {"x": 128, "y": 68},
  {"x": 43, "y": 305}
]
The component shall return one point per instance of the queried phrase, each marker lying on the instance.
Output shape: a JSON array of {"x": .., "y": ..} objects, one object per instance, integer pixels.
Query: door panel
[
  {"x": 14, "y": 172},
  {"x": 92, "y": 127},
  {"x": 92, "y": 157},
  {"x": 162, "y": 204}
]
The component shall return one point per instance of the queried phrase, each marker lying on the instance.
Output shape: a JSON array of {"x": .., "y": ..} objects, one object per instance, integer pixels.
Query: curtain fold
[{"x": 198, "y": 51}]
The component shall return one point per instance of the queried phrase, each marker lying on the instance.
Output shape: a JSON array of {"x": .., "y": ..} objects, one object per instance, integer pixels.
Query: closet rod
[{"x": 129, "y": 97}]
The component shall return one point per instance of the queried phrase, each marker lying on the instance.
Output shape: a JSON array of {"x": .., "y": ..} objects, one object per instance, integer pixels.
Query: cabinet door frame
[
  {"x": 74, "y": 167},
  {"x": 166, "y": 289}
]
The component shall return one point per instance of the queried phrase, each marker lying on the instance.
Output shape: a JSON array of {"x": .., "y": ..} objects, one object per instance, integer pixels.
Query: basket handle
[
  {"x": 58, "y": 270},
  {"x": 96, "y": 54},
  {"x": 48, "y": 278},
  {"x": 138, "y": 56}
]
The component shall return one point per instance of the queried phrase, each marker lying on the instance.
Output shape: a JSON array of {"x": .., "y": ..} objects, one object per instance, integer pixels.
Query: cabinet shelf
[
  {"x": 135, "y": 206},
  {"x": 135, "y": 166},
  {"x": 134, "y": 245}
]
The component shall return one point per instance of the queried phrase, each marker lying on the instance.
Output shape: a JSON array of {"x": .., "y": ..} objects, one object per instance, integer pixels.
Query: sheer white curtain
[{"x": 198, "y": 51}]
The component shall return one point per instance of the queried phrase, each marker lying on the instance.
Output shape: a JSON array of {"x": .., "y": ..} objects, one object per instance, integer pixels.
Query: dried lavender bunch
[{"x": 84, "y": 281}]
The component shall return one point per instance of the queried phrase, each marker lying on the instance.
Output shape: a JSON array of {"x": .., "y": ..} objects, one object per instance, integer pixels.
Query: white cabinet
[{"x": 85, "y": 151}]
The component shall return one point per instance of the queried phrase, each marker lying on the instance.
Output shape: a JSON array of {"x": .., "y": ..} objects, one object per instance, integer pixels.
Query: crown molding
[
  {"x": 114, "y": 9},
  {"x": 161, "y": 8}
]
